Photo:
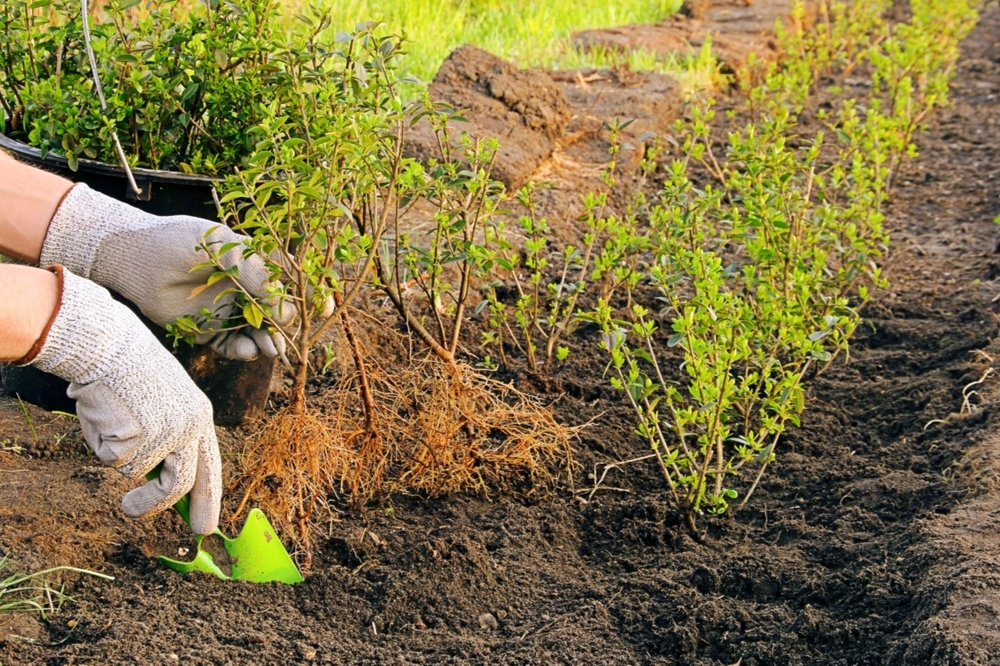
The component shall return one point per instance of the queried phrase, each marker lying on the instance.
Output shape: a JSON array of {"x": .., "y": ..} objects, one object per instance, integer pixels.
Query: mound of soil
[
  {"x": 546, "y": 118},
  {"x": 872, "y": 541},
  {"x": 737, "y": 28},
  {"x": 522, "y": 108}
]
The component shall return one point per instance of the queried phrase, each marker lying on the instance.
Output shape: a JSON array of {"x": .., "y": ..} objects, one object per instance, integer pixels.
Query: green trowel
[{"x": 256, "y": 555}]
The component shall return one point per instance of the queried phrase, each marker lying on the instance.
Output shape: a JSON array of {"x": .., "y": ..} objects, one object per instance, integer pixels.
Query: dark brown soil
[{"x": 874, "y": 540}]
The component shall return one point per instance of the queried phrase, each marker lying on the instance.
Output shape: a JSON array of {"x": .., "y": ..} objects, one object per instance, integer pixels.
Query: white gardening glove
[
  {"x": 136, "y": 404},
  {"x": 148, "y": 260}
]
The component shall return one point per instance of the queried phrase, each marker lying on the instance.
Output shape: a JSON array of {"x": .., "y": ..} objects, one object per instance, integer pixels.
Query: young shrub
[
  {"x": 323, "y": 184},
  {"x": 325, "y": 181},
  {"x": 548, "y": 283},
  {"x": 754, "y": 278},
  {"x": 445, "y": 265},
  {"x": 325, "y": 198},
  {"x": 913, "y": 64},
  {"x": 759, "y": 275},
  {"x": 840, "y": 41}
]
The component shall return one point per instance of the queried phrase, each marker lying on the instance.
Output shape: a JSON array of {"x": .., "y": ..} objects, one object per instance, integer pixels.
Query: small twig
[
  {"x": 760, "y": 472},
  {"x": 104, "y": 105},
  {"x": 359, "y": 362}
]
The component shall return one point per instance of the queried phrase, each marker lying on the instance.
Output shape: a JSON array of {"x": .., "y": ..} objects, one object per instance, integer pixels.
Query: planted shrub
[
  {"x": 759, "y": 275},
  {"x": 754, "y": 276},
  {"x": 549, "y": 282}
]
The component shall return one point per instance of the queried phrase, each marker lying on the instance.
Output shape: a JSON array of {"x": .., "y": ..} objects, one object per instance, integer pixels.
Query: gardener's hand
[
  {"x": 137, "y": 406},
  {"x": 148, "y": 260}
]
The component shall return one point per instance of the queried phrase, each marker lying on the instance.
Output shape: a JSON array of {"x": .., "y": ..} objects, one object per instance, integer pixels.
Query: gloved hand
[
  {"x": 148, "y": 260},
  {"x": 136, "y": 404}
]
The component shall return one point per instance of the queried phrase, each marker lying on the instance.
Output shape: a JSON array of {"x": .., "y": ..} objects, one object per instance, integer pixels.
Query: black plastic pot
[{"x": 238, "y": 390}]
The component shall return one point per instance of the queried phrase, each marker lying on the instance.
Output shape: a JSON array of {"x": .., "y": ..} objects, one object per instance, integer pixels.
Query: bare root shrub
[
  {"x": 436, "y": 428},
  {"x": 471, "y": 432}
]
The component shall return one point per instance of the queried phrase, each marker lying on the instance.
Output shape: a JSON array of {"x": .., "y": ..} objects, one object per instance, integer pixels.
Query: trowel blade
[{"x": 258, "y": 555}]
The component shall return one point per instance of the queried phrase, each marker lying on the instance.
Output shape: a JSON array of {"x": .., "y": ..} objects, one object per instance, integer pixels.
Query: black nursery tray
[{"x": 163, "y": 192}]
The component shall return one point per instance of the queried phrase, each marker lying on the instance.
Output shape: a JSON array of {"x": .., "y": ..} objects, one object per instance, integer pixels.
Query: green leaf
[
  {"x": 189, "y": 92},
  {"x": 233, "y": 196},
  {"x": 311, "y": 192},
  {"x": 201, "y": 266},
  {"x": 226, "y": 247},
  {"x": 253, "y": 314},
  {"x": 215, "y": 277},
  {"x": 261, "y": 157},
  {"x": 643, "y": 354},
  {"x": 223, "y": 294}
]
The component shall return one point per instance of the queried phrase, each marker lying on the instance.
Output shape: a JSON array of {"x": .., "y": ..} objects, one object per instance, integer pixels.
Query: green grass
[
  {"x": 694, "y": 73},
  {"x": 32, "y": 593},
  {"x": 528, "y": 32}
]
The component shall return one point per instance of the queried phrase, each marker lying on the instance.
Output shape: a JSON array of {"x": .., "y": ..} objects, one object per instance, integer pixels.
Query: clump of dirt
[
  {"x": 19, "y": 626},
  {"x": 522, "y": 108},
  {"x": 552, "y": 127},
  {"x": 651, "y": 102}
]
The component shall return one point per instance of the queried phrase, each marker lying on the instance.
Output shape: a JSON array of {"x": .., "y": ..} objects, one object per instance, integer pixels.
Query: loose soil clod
[{"x": 522, "y": 108}]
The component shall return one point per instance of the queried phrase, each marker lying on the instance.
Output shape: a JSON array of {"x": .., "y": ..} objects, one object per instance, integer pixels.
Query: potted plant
[{"x": 184, "y": 86}]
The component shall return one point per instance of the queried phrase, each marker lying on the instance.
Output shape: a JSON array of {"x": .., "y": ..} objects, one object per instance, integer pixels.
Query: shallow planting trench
[{"x": 873, "y": 539}]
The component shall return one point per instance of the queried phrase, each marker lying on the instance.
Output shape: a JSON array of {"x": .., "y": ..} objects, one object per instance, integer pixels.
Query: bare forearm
[
  {"x": 28, "y": 199},
  {"x": 28, "y": 297}
]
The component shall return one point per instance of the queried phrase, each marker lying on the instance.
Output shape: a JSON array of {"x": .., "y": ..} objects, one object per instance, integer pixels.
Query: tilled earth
[{"x": 873, "y": 539}]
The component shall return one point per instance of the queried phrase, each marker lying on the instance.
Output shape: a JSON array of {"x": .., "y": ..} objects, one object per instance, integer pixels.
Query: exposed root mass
[{"x": 436, "y": 429}]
